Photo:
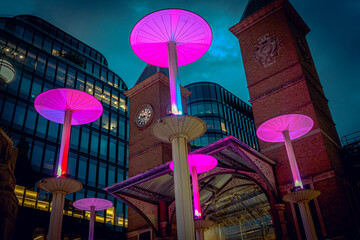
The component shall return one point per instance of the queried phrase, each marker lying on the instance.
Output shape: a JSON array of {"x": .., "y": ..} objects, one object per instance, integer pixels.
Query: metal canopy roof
[{"x": 236, "y": 192}]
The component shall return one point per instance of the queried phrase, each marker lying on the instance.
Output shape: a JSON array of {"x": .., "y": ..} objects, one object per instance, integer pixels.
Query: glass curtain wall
[
  {"x": 45, "y": 58},
  {"x": 223, "y": 112}
]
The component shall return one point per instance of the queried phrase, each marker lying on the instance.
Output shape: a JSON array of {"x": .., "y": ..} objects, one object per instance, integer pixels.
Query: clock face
[{"x": 144, "y": 116}]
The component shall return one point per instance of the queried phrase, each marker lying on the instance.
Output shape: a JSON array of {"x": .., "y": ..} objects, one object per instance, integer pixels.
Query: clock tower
[
  {"x": 149, "y": 100},
  {"x": 282, "y": 79}
]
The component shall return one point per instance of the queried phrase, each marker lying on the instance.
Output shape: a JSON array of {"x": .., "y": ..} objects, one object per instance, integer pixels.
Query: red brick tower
[
  {"x": 282, "y": 79},
  {"x": 149, "y": 100}
]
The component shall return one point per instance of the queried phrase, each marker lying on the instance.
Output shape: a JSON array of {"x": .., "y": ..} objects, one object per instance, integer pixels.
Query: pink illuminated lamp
[
  {"x": 92, "y": 205},
  {"x": 171, "y": 38},
  {"x": 68, "y": 107},
  {"x": 198, "y": 163},
  {"x": 284, "y": 129}
]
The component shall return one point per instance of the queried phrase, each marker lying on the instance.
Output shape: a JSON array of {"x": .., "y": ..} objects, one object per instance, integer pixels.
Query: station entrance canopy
[{"x": 238, "y": 195}]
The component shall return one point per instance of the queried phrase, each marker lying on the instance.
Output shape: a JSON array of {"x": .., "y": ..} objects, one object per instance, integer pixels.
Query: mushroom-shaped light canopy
[
  {"x": 52, "y": 105},
  {"x": 297, "y": 125},
  {"x": 202, "y": 162},
  {"x": 86, "y": 204},
  {"x": 150, "y": 37}
]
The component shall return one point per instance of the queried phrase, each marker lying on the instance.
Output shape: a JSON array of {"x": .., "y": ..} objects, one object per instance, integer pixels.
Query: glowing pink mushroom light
[
  {"x": 284, "y": 129},
  {"x": 198, "y": 163},
  {"x": 68, "y": 107},
  {"x": 171, "y": 38}
]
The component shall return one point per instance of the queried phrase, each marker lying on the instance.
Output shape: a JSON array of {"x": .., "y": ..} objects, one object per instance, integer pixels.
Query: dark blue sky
[{"x": 106, "y": 25}]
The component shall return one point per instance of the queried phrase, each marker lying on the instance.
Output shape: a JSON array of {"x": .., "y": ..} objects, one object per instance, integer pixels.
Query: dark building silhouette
[{"x": 44, "y": 58}]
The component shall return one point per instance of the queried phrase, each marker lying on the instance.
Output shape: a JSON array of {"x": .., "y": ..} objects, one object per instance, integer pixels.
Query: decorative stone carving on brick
[
  {"x": 148, "y": 209},
  {"x": 266, "y": 50}
]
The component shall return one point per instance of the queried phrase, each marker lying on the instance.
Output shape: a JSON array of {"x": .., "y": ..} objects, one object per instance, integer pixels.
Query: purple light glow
[
  {"x": 150, "y": 37},
  {"x": 198, "y": 163},
  {"x": 283, "y": 129},
  {"x": 297, "y": 125},
  {"x": 53, "y": 103},
  {"x": 68, "y": 107},
  {"x": 86, "y": 204}
]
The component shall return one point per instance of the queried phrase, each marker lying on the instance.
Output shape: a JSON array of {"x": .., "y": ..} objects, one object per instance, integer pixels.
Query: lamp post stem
[
  {"x": 183, "y": 203},
  {"x": 65, "y": 141},
  {"x": 292, "y": 160},
  {"x": 175, "y": 96},
  {"x": 197, "y": 207},
  {"x": 92, "y": 222}
]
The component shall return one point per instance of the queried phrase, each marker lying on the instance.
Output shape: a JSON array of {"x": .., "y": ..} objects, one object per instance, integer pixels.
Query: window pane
[
  {"x": 30, "y": 119},
  {"x": 103, "y": 146},
  {"x": 84, "y": 139},
  {"x": 36, "y": 88},
  {"x": 102, "y": 175},
  {"x": 50, "y": 69},
  {"x": 37, "y": 153},
  {"x": 70, "y": 82},
  {"x": 19, "y": 114},
  {"x": 53, "y": 130},
  {"x": 25, "y": 84},
  {"x": 112, "y": 150},
  {"x": 113, "y": 124},
  {"x": 30, "y": 59},
  {"x": 47, "y": 45},
  {"x": 105, "y": 121},
  {"x": 41, "y": 126},
  {"x": 61, "y": 74},
  {"x": 82, "y": 169},
  {"x": 71, "y": 169},
  {"x": 80, "y": 83},
  {"x": 92, "y": 173},
  {"x": 49, "y": 159},
  {"x": 40, "y": 64},
  {"x": 121, "y": 156},
  {"x": 38, "y": 40},
  {"x": 111, "y": 175},
  {"x": 74, "y": 138},
  {"x": 8, "y": 111},
  {"x": 28, "y": 36},
  {"x": 94, "y": 142}
]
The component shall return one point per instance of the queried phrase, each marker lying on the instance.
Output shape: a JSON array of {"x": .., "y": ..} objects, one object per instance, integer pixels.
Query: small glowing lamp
[{"x": 7, "y": 72}]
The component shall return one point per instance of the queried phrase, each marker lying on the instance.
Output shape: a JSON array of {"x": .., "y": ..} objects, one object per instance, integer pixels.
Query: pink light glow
[
  {"x": 297, "y": 125},
  {"x": 283, "y": 129},
  {"x": 198, "y": 163},
  {"x": 68, "y": 107},
  {"x": 86, "y": 203},
  {"x": 150, "y": 37},
  {"x": 201, "y": 162},
  {"x": 53, "y": 103}
]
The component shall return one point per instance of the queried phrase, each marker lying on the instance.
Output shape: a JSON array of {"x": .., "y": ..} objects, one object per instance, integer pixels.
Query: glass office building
[
  {"x": 44, "y": 58},
  {"x": 223, "y": 112}
]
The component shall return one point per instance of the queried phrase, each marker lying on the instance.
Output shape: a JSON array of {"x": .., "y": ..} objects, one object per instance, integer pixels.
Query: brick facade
[{"x": 289, "y": 83}]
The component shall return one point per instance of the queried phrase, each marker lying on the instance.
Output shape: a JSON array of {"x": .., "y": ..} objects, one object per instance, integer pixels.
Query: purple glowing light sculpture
[
  {"x": 284, "y": 129},
  {"x": 171, "y": 38},
  {"x": 68, "y": 107},
  {"x": 198, "y": 163},
  {"x": 92, "y": 205}
]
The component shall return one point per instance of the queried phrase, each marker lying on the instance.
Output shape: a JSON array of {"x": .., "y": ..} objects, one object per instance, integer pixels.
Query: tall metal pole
[
  {"x": 292, "y": 160},
  {"x": 65, "y": 141},
  {"x": 175, "y": 96},
  {"x": 183, "y": 203},
  {"x": 92, "y": 222},
  {"x": 196, "y": 194},
  {"x": 56, "y": 216}
]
